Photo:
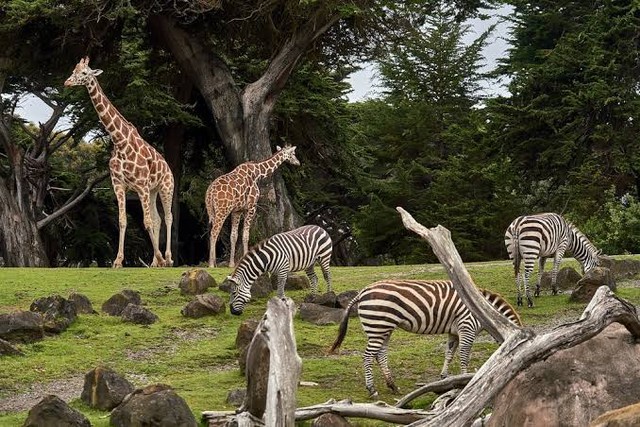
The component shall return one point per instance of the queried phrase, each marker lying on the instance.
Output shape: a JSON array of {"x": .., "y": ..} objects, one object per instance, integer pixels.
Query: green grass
[{"x": 197, "y": 357}]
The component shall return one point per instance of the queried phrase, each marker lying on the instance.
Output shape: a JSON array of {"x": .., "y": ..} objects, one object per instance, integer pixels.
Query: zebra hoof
[{"x": 373, "y": 395}]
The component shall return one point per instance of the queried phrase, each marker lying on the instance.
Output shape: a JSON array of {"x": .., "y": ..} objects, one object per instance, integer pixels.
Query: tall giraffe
[
  {"x": 134, "y": 165},
  {"x": 237, "y": 193}
]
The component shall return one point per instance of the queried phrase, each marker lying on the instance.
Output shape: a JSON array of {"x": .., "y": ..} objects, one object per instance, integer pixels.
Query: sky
[{"x": 364, "y": 82}]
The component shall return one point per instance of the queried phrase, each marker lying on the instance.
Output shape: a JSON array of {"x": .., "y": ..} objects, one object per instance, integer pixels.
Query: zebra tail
[
  {"x": 342, "y": 332},
  {"x": 516, "y": 253}
]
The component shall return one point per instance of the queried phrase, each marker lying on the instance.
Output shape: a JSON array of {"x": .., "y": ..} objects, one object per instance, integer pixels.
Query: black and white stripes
[
  {"x": 419, "y": 306},
  {"x": 294, "y": 250},
  {"x": 542, "y": 236}
]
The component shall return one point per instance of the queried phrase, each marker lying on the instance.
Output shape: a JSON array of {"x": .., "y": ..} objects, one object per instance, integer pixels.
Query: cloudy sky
[{"x": 363, "y": 82}]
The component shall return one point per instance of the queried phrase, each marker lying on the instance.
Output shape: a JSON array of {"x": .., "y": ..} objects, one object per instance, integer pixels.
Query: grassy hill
[{"x": 197, "y": 357}]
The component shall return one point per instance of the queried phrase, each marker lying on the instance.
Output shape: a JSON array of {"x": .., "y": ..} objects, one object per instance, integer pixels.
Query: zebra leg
[
  {"x": 466, "y": 337},
  {"x": 452, "y": 346},
  {"x": 282, "y": 280},
  {"x": 383, "y": 362},
  {"x": 313, "y": 278},
  {"x": 518, "y": 289},
  {"x": 528, "y": 269},
  {"x": 541, "y": 262},
  {"x": 371, "y": 353},
  {"x": 326, "y": 273},
  {"x": 556, "y": 265}
]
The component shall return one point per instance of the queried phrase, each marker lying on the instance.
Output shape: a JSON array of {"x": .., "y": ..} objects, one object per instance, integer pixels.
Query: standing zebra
[
  {"x": 294, "y": 250},
  {"x": 420, "y": 306},
  {"x": 543, "y": 236}
]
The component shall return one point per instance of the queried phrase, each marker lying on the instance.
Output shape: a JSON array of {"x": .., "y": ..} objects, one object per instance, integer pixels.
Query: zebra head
[
  {"x": 592, "y": 259},
  {"x": 289, "y": 154},
  {"x": 240, "y": 296}
]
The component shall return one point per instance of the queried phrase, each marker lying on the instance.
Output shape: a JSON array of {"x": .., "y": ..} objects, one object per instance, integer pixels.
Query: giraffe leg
[
  {"x": 235, "y": 222},
  {"x": 145, "y": 200},
  {"x": 122, "y": 222},
  {"x": 452, "y": 345},
  {"x": 155, "y": 217},
  {"x": 166, "y": 197},
  {"x": 246, "y": 227},
  {"x": 216, "y": 225}
]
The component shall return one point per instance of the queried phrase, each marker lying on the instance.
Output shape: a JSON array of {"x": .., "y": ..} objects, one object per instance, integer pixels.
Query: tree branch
[{"x": 71, "y": 202}]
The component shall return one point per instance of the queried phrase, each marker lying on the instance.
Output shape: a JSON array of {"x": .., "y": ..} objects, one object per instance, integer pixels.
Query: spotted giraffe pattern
[
  {"x": 134, "y": 165},
  {"x": 237, "y": 193}
]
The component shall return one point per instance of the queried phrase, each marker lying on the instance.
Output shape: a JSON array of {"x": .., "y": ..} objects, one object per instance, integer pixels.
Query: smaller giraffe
[
  {"x": 134, "y": 165},
  {"x": 237, "y": 193}
]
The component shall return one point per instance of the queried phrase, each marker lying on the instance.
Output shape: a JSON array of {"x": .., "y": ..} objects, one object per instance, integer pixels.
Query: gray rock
[
  {"x": 54, "y": 412},
  {"x": 628, "y": 416},
  {"x": 566, "y": 279},
  {"x": 261, "y": 287},
  {"x": 57, "y": 312},
  {"x": 104, "y": 389},
  {"x": 118, "y": 302},
  {"x": 204, "y": 305},
  {"x": 587, "y": 286},
  {"x": 295, "y": 282},
  {"x": 82, "y": 303},
  {"x": 21, "y": 326},
  {"x": 328, "y": 299},
  {"x": 343, "y": 300},
  {"x": 155, "y": 405},
  {"x": 138, "y": 314},
  {"x": 196, "y": 281},
  {"x": 319, "y": 314},
  {"x": 236, "y": 397},
  {"x": 330, "y": 420},
  {"x": 573, "y": 386},
  {"x": 9, "y": 350}
]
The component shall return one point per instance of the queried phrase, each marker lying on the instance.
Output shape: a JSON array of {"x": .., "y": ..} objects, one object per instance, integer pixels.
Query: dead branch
[
  {"x": 376, "y": 411},
  {"x": 520, "y": 347},
  {"x": 441, "y": 386},
  {"x": 273, "y": 366}
]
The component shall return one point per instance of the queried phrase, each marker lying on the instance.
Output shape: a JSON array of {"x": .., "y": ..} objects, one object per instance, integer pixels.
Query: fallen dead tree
[{"x": 273, "y": 365}]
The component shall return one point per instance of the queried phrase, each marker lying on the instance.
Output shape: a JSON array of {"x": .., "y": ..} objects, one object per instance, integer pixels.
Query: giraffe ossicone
[
  {"x": 134, "y": 165},
  {"x": 237, "y": 193}
]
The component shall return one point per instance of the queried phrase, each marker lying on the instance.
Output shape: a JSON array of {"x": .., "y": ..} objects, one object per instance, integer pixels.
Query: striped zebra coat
[
  {"x": 419, "y": 306},
  {"x": 293, "y": 250},
  {"x": 531, "y": 237}
]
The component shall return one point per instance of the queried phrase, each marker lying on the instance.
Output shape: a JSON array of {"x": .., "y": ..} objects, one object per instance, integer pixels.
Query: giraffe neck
[
  {"x": 266, "y": 168},
  {"x": 118, "y": 127}
]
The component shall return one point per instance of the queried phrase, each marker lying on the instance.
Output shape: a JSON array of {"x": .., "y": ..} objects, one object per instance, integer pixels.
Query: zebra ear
[{"x": 278, "y": 148}]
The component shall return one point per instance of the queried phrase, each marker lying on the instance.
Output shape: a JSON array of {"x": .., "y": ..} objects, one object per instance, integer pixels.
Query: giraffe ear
[{"x": 96, "y": 72}]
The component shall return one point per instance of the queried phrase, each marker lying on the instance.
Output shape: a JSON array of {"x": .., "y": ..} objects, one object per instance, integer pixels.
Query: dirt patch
[{"x": 66, "y": 389}]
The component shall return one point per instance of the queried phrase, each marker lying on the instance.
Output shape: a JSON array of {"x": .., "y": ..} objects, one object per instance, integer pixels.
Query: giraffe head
[
  {"x": 82, "y": 74},
  {"x": 289, "y": 154}
]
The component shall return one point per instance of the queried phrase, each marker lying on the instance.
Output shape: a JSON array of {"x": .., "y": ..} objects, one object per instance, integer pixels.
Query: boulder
[
  {"x": 621, "y": 268},
  {"x": 587, "y": 286},
  {"x": 118, "y": 302},
  {"x": 629, "y": 416},
  {"x": 319, "y": 314},
  {"x": 204, "y": 305},
  {"x": 57, "y": 312},
  {"x": 138, "y": 314},
  {"x": 196, "y": 281},
  {"x": 573, "y": 386},
  {"x": 155, "y": 405},
  {"x": 54, "y": 412},
  {"x": 295, "y": 282},
  {"x": 328, "y": 299},
  {"x": 343, "y": 299},
  {"x": 243, "y": 339},
  {"x": 261, "y": 287},
  {"x": 82, "y": 303},
  {"x": 21, "y": 326},
  {"x": 104, "y": 389},
  {"x": 330, "y": 420},
  {"x": 566, "y": 279},
  {"x": 236, "y": 397},
  {"x": 9, "y": 350}
]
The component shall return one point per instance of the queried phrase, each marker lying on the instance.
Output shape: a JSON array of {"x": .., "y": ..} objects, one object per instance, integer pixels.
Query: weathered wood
[
  {"x": 375, "y": 411},
  {"x": 520, "y": 347},
  {"x": 440, "y": 386},
  {"x": 273, "y": 367}
]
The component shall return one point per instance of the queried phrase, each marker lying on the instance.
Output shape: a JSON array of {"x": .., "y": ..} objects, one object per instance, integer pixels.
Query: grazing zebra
[
  {"x": 294, "y": 250},
  {"x": 420, "y": 306},
  {"x": 543, "y": 236}
]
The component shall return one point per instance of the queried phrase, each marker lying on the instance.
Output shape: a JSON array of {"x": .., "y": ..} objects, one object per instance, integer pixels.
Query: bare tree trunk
[{"x": 20, "y": 242}]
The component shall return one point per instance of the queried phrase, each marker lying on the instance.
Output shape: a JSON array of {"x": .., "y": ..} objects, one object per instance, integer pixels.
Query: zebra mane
[
  {"x": 579, "y": 235},
  {"x": 493, "y": 296}
]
